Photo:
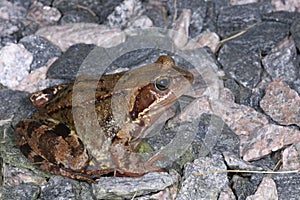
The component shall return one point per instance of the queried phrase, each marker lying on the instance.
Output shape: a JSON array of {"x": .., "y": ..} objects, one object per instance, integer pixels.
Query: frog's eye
[{"x": 162, "y": 83}]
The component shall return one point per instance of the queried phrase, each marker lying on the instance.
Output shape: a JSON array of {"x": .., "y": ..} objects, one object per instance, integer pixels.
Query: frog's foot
[
  {"x": 130, "y": 163},
  {"x": 54, "y": 169}
]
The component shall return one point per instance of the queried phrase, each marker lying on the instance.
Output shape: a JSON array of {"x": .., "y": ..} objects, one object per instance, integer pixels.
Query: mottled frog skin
[{"x": 62, "y": 140}]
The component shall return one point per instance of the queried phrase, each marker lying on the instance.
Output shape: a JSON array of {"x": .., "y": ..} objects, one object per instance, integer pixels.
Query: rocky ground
[{"x": 241, "y": 114}]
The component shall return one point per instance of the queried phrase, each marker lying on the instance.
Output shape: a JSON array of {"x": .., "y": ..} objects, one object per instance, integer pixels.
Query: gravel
[{"x": 242, "y": 112}]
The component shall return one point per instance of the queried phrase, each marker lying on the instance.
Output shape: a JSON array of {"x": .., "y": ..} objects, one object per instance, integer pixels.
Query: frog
[{"x": 100, "y": 134}]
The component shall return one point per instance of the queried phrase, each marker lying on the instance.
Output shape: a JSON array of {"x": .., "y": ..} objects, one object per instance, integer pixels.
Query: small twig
[
  {"x": 86, "y": 8},
  {"x": 235, "y": 35},
  {"x": 175, "y": 11}
]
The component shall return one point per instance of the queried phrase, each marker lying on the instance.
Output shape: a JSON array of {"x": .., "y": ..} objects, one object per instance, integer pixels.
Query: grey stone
[
  {"x": 281, "y": 62},
  {"x": 216, "y": 136},
  {"x": 233, "y": 19},
  {"x": 261, "y": 37},
  {"x": 100, "y": 8},
  {"x": 13, "y": 102},
  {"x": 245, "y": 186},
  {"x": 16, "y": 68},
  {"x": 242, "y": 65},
  {"x": 125, "y": 13},
  {"x": 282, "y": 16},
  {"x": 63, "y": 188},
  {"x": 233, "y": 161},
  {"x": 67, "y": 35},
  {"x": 78, "y": 15},
  {"x": 41, "y": 49},
  {"x": 240, "y": 57},
  {"x": 288, "y": 185},
  {"x": 13, "y": 10},
  {"x": 120, "y": 188},
  {"x": 203, "y": 187},
  {"x": 242, "y": 94},
  {"x": 156, "y": 17},
  {"x": 20, "y": 192},
  {"x": 295, "y": 31},
  {"x": 67, "y": 65},
  {"x": 11, "y": 31},
  {"x": 204, "y": 13}
]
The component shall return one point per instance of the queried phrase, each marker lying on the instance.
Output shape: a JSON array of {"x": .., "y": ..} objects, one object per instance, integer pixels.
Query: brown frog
[{"x": 110, "y": 123}]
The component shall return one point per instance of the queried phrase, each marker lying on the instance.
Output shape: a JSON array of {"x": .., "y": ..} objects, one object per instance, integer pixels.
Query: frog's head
[{"x": 157, "y": 87}]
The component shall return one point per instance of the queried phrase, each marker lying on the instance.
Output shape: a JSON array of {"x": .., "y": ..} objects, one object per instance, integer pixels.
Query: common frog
[{"x": 125, "y": 104}]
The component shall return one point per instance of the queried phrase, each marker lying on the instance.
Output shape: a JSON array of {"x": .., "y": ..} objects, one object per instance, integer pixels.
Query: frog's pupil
[{"x": 162, "y": 84}]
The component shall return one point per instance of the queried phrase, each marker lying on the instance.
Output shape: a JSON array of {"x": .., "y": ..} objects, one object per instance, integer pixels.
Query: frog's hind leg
[{"x": 33, "y": 138}]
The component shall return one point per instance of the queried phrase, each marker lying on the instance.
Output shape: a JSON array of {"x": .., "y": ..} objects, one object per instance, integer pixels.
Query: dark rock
[
  {"x": 262, "y": 37},
  {"x": 244, "y": 95},
  {"x": 59, "y": 187},
  {"x": 204, "y": 13},
  {"x": 241, "y": 56},
  {"x": 267, "y": 163},
  {"x": 22, "y": 191},
  {"x": 282, "y": 62},
  {"x": 233, "y": 19},
  {"x": 11, "y": 31},
  {"x": 24, "y": 3},
  {"x": 245, "y": 186},
  {"x": 41, "y": 49},
  {"x": 77, "y": 16},
  {"x": 288, "y": 185},
  {"x": 47, "y": 2},
  {"x": 207, "y": 186},
  {"x": 140, "y": 56},
  {"x": 101, "y": 8},
  {"x": 156, "y": 16},
  {"x": 66, "y": 67},
  {"x": 282, "y": 16},
  {"x": 295, "y": 31},
  {"x": 216, "y": 136},
  {"x": 13, "y": 102},
  {"x": 127, "y": 187},
  {"x": 242, "y": 65},
  {"x": 266, "y": 190}
]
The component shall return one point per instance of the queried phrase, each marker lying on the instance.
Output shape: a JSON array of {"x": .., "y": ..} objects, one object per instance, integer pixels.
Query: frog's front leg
[
  {"x": 55, "y": 149},
  {"x": 128, "y": 162}
]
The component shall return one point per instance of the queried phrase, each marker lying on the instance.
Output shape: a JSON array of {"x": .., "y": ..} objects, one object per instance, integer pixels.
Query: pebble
[
  {"x": 281, "y": 102},
  {"x": 266, "y": 190},
  {"x": 41, "y": 49},
  {"x": 67, "y": 35},
  {"x": 43, "y": 15},
  {"x": 116, "y": 187},
  {"x": 17, "y": 67},
  {"x": 181, "y": 29},
  {"x": 281, "y": 62},
  {"x": 204, "y": 187},
  {"x": 125, "y": 14},
  {"x": 261, "y": 60},
  {"x": 66, "y": 66},
  {"x": 290, "y": 157}
]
